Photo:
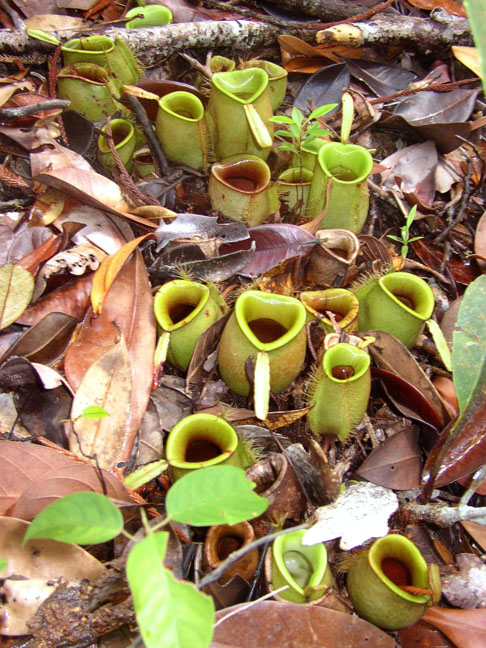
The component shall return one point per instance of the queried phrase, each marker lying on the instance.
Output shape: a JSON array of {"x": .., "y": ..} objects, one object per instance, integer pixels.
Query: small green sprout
[{"x": 404, "y": 237}]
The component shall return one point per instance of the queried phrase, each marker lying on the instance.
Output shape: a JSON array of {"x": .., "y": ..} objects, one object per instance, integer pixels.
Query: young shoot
[
  {"x": 301, "y": 132},
  {"x": 404, "y": 237}
]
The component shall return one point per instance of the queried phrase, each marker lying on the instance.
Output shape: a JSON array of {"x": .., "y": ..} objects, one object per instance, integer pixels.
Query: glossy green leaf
[
  {"x": 281, "y": 119},
  {"x": 321, "y": 111},
  {"x": 80, "y": 518},
  {"x": 16, "y": 289},
  {"x": 169, "y": 612},
  {"x": 297, "y": 116},
  {"x": 476, "y": 11},
  {"x": 469, "y": 344},
  {"x": 94, "y": 411},
  {"x": 440, "y": 343},
  {"x": 3, "y": 564},
  {"x": 43, "y": 36},
  {"x": 287, "y": 146},
  {"x": 214, "y": 495}
]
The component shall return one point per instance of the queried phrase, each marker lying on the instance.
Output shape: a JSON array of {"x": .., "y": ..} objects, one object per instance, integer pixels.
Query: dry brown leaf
[
  {"x": 22, "y": 464},
  {"x": 273, "y": 625},
  {"x": 451, "y": 6},
  {"x": 108, "y": 271},
  {"x": 465, "y": 628},
  {"x": 41, "y": 563},
  {"x": 71, "y": 478},
  {"x": 106, "y": 384},
  {"x": 128, "y": 308}
]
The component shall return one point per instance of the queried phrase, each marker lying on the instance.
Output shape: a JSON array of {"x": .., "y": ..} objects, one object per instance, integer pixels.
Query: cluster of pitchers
[{"x": 230, "y": 138}]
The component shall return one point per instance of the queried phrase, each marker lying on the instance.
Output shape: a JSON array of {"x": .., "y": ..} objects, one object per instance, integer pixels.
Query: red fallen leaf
[
  {"x": 464, "y": 271},
  {"x": 460, "y": 449},
  {"x": 46, "y": 250},
  {"x": 407, "y": 398},
  {"x": 274, "y": 244},
  {"x": 274, "y": 624},
  {"x": 465, "y": 628},
  {"x": 395, "y": 463},
  {"x": 72, "y": 299}
]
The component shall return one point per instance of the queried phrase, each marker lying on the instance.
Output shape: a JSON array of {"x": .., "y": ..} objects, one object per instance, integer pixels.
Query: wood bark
[
  {"x": 425, "y": 36},
  {"x": 325, "y": 10},
  {"x": 151, "y": 45}
]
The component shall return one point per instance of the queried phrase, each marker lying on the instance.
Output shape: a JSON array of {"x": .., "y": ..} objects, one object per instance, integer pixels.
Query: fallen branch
[
  {"x": 434, "y": 35},
  {"x": 152, "y": 45},
  {"x": 444, "y": 515}
]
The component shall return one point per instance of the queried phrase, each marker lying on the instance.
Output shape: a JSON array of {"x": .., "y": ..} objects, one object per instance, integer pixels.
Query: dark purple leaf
[
  {"x": 382, "y": 79},
  {"x": 274, "y": 244},
  {"x": 324, "y": 87}
]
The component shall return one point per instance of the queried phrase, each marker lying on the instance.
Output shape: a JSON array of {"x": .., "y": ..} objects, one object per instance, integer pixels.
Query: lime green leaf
[
  {"x": 3, "y": 564},
  {"x": 43, "y": 36},
  {"x": 169, "y": 612},
  {"x": 94, "y": 411},
  {"x": 440, "y": 343},
  {"x": 295, "y": 130},
  {"x": 281, "y": 119},
  {"x": 214, "y": 495},
  {"x": 16, "y": 289},
  {"x": 80, "y": 518},
  {"x": 287, "y": 146},
  {"x": 145, "y": 474},
  {"x": 283, "y": 133},
  {"x": 469, "y": 344},
  {"x": 297, "y": 116},
  {"x": 321, "y": 111}
]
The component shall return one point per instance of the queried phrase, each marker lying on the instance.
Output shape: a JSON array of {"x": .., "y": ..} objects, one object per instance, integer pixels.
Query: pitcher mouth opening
[
  {"x": 245, "y": 176},
  {"x": 244, "y": 86}
]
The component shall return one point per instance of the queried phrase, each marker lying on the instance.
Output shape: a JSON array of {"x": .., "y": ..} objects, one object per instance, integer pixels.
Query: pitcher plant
[
  {"x": 113, "y": 55},
  {"x": 182, "y": 129},
  {"x": 184, "y": 310},
  {"x": 377, "y": 583},
  {"x": 340, "y": 186},
  {"x": 123, "y": 135},
  {"x": 89, "y": 88},
  {"x": 240, "y": 188},
  {"x": 269, "y": 328},
  {"x": 238, "y": 112},
  {"x": 304, "y": 568},
  {"x": 334, "y": 303},
  {"x": 339, "y": 391},
  {"x": 201, "y": 440},
  {"x": 399, "y": 303}
]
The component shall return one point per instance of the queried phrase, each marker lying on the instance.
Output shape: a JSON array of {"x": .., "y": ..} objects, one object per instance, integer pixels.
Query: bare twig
[
  {"x": 154, "y": 143},
  {"x": 31, "y": 109}
]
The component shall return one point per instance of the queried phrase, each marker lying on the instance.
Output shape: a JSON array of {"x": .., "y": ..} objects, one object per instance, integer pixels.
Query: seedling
[
  {"x": 302, "y": 132},
  {"x": 404, "y": 237}
]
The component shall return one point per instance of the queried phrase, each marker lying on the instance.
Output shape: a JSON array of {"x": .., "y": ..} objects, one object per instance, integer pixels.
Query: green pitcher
[
  {"x": 89, "y": 88},
  {"x": 238, "y": 112},
  {"x": 340, "y": 186},
  {"x": 182, "y": 129}
]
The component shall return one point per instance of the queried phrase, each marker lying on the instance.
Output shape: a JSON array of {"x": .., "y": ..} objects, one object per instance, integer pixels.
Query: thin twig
[
  {"x": 159, "y": 155},
  {"x": 31, "y": 109}
]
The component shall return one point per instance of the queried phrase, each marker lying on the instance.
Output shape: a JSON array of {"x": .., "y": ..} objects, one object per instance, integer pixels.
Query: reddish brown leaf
[
  {"x": 390, "y": 354},
  {"x": 407, "y": 398},
  {"x": 273, "y": 625},
  {"x": 46, "y": 250},
  {"x": 461, "y": 447},
  {"x": 423, "y": 635},
  {"x": 127, "y": 308},
  {"x": 451, "y": 6},
  {"x": 22, "y": 464},
  {"x": 72, "y": 299},
  {"x": 395, "y": 463},
  {"x": 71, "y": 478},
  {"x": 465, "y": 628},
  {"x": 464, "y": 271}
]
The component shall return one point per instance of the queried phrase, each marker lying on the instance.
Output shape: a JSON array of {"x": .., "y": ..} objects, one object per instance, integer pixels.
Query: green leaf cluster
[
  {"x": 300, "y": 131},
  {"x": 169, "y": 612},
  {"x": 404, "y": 237}
]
